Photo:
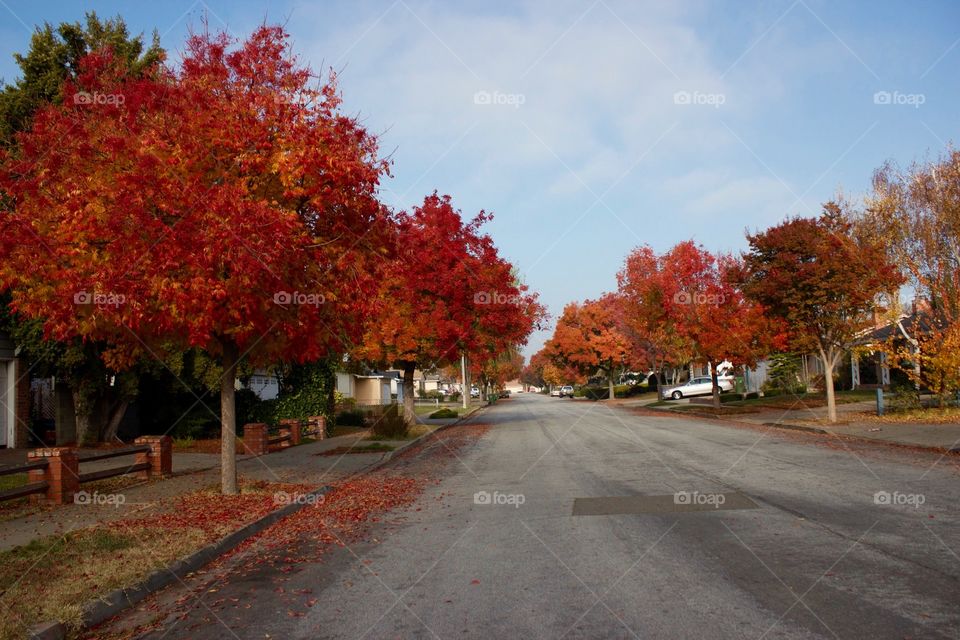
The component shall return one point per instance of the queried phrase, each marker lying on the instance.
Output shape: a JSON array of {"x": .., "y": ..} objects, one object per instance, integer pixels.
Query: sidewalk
[
  {"x": 851, "y": 423},
  {"x": 192, "y": 471}
]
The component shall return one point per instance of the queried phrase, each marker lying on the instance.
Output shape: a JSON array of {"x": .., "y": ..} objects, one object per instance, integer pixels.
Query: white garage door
[{"x": 4, "y": 403}]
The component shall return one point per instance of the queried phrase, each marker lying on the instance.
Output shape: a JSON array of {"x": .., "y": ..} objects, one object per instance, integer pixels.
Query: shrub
[
  {"x": 433, "y": 394},
  {"x": 904, "y": 397},
  {"x": 593, "y": 393},
  {"x": 784, "y": 373},
  {"x": 350, "y": 418},
  {"x": 391, "y": 425},
  {"x": 444, "y": 414}
]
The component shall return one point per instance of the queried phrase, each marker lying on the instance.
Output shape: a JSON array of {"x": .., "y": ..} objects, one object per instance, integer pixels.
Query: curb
[
  {"x": 796, "y": 427},
  {"x": 389, "y": 455},
  {"x": 101, "y": 609}
]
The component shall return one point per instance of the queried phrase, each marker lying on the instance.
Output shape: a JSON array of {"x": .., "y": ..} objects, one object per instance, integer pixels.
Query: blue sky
[{"x": 589, "y": 128}]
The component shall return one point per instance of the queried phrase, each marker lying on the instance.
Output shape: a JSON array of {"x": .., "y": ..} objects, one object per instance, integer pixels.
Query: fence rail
[{"x": 55, "y": 471}]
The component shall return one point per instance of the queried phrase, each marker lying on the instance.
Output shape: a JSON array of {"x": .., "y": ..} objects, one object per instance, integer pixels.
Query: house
[
  {"x": 265, "y": 384},
  {"x": 370, "y": 388},
  {"x": 869, "y": 366},
  {"x": 14, "y": 396}
]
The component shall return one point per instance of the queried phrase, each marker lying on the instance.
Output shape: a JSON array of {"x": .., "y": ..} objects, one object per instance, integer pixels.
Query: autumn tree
[
  {"x": 532, "y": 374},
  {"x": 446, "y": 291},
  {"x": 644, "y": 290},
  {"x": 915, "y": 216},
  {"x": 225, "y": 205},
  {"x": 54, "y": 56},
  {"x": 588, "y": 339},
  {"x": 821, "y": 280},
  {"x": 494, "y": 372},
  {"x": 704, "y": 302},
  {"x": 99, "y": 393}
]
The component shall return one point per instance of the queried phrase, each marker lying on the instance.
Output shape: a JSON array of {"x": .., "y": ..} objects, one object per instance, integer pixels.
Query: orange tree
[
  {"x": 822, "y": 281},
  {"x": 588, "y": 339},
  {"x": 642, "y": 287},
  {"x": 915, "y": 216},
  {"x": 445, "y": 291},
  {"x": 217, "y": 205}
]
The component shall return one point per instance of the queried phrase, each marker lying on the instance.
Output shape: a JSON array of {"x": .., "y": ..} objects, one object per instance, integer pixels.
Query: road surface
[{"x": 569, "y": 519}]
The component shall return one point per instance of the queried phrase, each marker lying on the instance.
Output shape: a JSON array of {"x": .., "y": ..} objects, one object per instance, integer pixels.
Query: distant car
[
  {"x": 699, "y": 387},
  {"x": 555, "y": 393},
  {"x": 566, "y": 391},
  {"x": 474, "y": 392}
]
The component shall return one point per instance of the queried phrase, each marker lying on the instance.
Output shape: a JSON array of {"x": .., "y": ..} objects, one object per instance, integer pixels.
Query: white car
[
  {"x": 699, "y": 387},
  {"x": 555, "y": 393},
  {"x": 566, "y": 391}
]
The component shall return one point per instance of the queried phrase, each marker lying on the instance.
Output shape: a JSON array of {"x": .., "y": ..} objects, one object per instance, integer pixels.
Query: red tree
[
  {"x": 215, "y": 206},
  {"x": 707, "y": 307},
  {"x": 446, "y": 291},
  {"x": 822, "y": 281}
]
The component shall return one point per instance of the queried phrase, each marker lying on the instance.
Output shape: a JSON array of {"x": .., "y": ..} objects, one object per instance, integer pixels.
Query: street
[{"x": 717, "y": 531}]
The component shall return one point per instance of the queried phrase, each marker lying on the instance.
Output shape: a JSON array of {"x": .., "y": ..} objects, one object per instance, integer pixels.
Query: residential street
[{"x": 816, "y": 557}]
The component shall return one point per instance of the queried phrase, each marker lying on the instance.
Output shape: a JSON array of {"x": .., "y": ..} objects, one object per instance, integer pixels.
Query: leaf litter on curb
[{"x": 345, "y": 515}]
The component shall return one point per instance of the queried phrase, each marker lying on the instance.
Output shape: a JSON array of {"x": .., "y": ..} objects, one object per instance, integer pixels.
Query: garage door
[{"x": 4, "y": 403}]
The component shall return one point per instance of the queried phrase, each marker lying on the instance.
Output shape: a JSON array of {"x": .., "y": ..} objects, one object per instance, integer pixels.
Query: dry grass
[
  {"x": 52, "y": 578},
  {"x": 949, "y": 415}
]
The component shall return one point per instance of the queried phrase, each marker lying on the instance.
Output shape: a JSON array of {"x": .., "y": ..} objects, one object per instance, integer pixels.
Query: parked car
[
  {"x": 555, "y": 392},
  {"x": 474, "y": 392},
  {"x": 699, "y": 387},
  {"x": 566, "y": 391}
]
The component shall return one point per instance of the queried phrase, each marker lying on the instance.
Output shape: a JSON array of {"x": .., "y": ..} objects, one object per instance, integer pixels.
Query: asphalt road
[{"x": 776, "y": 536}]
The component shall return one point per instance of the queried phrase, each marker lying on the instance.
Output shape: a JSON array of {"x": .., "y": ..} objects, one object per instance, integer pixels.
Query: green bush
[
  {"x": 391, "y": 425},
  {"x": 593, "y": 393},
  {"x": 433, "y": 394},
  {"x": 443, "y": 414},
  {"x": 904, "y": 397},
  {"x": 350, "y": 418}
]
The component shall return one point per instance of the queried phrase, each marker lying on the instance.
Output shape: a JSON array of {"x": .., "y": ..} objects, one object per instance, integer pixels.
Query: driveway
[{"x": 575, "y": 520}]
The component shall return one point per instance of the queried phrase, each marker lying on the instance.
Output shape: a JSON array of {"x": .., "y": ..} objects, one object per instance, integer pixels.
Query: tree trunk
[
  {"x": 409, "y": 410},
  {"x": 828, "y": 385},
  {"x": 716, "y": 386},
  {"x": 84, "y": 409},
  {"x": 114, "y": 418},
  {"x": 610, "y": 386},
  {"x": 228, "y": 420}
]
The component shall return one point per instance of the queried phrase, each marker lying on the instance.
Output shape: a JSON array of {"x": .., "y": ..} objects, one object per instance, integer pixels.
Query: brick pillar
[
  {"x": 160, "y": 456},
  {"x": 294, "y": 428},
  {"x": 62, "y": 473},
  {"x": 318, "y": 424},
  {"x": 255, "y": 439}
]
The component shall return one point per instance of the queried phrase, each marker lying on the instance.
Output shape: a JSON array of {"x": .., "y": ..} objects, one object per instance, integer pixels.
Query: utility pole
[{"x": 463, "y": 374}]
